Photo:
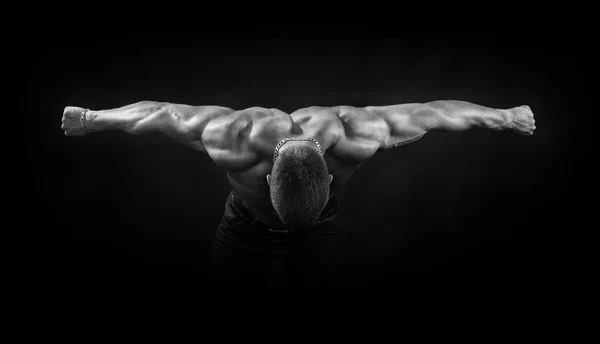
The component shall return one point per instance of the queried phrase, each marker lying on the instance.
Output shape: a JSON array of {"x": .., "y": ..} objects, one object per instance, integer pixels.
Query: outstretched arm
[
  {"x": 408, "y": 122},
  {"x": 181, "y": 122}
]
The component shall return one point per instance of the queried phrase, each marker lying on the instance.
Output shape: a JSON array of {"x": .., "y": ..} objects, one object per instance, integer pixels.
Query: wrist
[
  {"x": 508, "y": 116},
  {"x": 92, "y": 121}
]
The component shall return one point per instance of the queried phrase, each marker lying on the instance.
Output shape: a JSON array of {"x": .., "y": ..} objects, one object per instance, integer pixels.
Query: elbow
[{"x": 430, "y": 116}]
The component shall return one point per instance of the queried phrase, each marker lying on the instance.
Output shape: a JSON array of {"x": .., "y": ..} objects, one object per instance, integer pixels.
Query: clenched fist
[
  {"x": 522, "y": 120},
  {"x": 71, "y": 121}
]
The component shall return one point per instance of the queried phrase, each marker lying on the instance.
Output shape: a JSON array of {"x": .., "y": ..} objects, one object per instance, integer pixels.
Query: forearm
[
  {"x": 178, "y": 121},
  {"x": 452, "y": 115},
  {"x": 136, "y": 118}
]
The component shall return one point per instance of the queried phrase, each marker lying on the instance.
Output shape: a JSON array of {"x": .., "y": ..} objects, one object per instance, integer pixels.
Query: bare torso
[
  {"x": 259, "y": 131},
  {"x": 242, "y": 142}
]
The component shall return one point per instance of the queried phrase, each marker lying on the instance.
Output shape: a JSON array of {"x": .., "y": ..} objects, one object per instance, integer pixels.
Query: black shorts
[{"x": 244, "y": 248}]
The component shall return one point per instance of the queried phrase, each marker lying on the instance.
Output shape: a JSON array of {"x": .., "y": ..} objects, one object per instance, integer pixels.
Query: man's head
[{"x": 299, "y": 184}]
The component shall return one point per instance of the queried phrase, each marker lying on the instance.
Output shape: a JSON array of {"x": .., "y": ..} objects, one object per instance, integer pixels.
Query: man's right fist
[
  {"x": 522, "y": 120},
  {"x": 71, "y": 121}
]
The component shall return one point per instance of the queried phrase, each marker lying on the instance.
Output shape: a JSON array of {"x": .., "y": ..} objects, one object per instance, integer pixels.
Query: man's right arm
[{"x": 183, "y": 123}]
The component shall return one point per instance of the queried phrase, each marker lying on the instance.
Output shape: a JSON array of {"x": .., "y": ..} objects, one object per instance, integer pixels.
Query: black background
[{"x": 480, "y": 210}]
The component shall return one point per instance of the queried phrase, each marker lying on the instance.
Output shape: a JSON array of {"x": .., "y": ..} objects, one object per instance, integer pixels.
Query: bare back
[{"x": 253, "y": 133}]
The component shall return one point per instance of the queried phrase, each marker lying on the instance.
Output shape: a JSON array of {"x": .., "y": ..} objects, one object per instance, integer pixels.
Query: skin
[{"x": 242, "y": 142}]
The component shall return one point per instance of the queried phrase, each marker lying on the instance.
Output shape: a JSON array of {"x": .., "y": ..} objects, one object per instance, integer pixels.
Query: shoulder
[
  {"x": 348, "y": 121},
  {"x": 257, "y": 112},
  {"x": 240, "y": 121},
  {"x": 348, "y": 117},
  {"x": 236, "y": 140},
  {"x": 359, "y": 132},
  {"x": 363, "y": 124}
]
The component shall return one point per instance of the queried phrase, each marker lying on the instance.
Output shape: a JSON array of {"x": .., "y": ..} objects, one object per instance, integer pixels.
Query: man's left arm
[{"x": 409, "y": 122}]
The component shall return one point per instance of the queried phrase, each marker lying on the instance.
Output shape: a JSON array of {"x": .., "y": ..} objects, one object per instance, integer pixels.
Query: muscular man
[{"x": 285, "y": 169}]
